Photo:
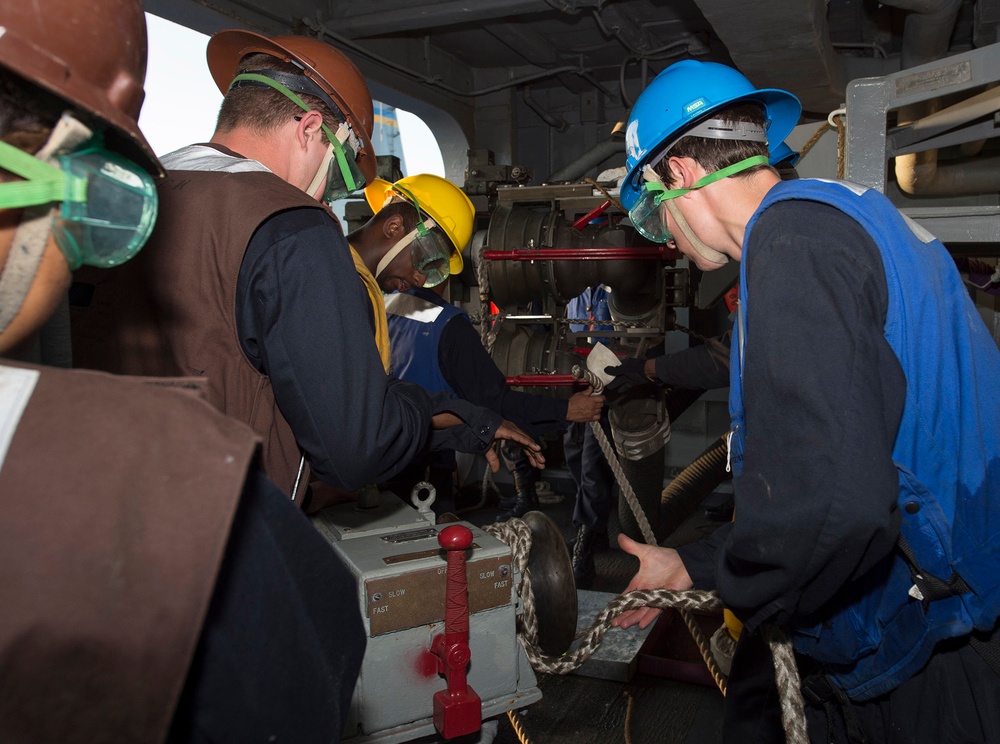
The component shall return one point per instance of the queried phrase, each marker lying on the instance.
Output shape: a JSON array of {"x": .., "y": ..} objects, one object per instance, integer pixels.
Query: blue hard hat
[
  {"x": 682, "y": 95},
  {"x": 782, "y": 152}
]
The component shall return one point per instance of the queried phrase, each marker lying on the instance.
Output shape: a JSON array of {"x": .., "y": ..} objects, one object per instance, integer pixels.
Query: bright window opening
[{"x": 182, "y": 103}]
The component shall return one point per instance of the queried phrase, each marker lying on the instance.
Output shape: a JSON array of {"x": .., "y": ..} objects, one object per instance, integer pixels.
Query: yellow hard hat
[{"x": 440, "y": 199}]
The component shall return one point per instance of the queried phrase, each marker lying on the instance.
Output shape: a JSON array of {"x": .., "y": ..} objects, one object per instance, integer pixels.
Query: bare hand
[
  {"x": 585, "y": 406},
  {"x": 659, "y": 568},
  {"x": 511, "y": 432}
]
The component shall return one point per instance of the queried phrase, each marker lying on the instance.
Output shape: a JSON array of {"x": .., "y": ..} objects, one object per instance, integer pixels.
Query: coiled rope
[{"x": 517, "y": 535}]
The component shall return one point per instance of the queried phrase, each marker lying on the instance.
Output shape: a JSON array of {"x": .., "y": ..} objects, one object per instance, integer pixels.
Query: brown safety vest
[
  {"x": 116, "y": 500},
  {"x": 172, "y": 309}
]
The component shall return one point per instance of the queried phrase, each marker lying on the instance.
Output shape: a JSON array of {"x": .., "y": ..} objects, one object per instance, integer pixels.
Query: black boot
[
  {"x": 523, "y": 503},
  {"x": 525, "y": 499},
  {"x": 584, "y": 570}
]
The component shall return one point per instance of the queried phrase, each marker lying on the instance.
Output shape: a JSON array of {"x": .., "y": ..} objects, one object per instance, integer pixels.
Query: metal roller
[
  {"x": 521, "y": 350},
  {"x": 516, "y": 283},
  {"x": 552, "y": 583}
]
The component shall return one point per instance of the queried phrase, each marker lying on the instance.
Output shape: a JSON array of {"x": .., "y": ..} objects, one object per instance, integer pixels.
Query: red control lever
[{"x": 458, "y": 709}]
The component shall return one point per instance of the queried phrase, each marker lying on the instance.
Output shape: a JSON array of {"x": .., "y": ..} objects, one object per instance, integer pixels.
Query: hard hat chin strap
[
  {"x": 322, "y": 173},
  {"x": 703, "y": 249},
  {"x": 421, "y": 229}
]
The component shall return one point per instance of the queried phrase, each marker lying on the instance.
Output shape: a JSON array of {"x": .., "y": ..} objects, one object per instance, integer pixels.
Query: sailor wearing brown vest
[
  {"x": 143, "y": 559},
  {"x": 248, "y": 280}
]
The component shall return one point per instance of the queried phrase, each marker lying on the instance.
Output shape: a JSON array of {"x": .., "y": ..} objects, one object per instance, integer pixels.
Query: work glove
[{"x": 631, "y": 373}]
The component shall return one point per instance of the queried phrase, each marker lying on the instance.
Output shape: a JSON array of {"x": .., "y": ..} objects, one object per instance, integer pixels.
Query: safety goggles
[
  {"x": 430, "y": 249},
  {"x": 343, "y": 176},
  {"x": 645, "y": 213},
  {"x": 108, "y": 204}
]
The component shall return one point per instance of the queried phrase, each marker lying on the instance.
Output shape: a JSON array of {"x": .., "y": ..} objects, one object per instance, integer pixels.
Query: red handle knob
[
  {"x": 455, "y": 537},
  {"x": 457, "y": 710}
]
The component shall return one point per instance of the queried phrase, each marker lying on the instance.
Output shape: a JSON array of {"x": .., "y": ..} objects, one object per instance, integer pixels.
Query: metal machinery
[
  {"x": 440, "y": 605},
  {"x": 543, "y": 246},
  {"x": 940, "y": 123}
]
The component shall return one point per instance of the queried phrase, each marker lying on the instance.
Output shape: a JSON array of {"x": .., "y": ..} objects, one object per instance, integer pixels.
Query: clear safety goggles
[
  {"x": 430, "y": 248},
  {"x": 108, "y": 203},
  {"x": 645, "y": 213},
  {"x": 343, "y": 176}
]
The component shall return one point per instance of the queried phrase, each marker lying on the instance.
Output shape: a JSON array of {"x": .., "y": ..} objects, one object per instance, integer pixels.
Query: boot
[
  {"x": 525, "y": 499},
  {"x": 584, "y": 570},
  {"x": 523, "y": 503}
]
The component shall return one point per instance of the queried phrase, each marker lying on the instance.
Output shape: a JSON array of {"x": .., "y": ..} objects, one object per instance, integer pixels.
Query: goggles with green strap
[
  {"x": 343, "y": 176},
  {"x": 430, "y": 249},
  {"x": 108, "y": 203},
  {"x": 645, "y": 213}
]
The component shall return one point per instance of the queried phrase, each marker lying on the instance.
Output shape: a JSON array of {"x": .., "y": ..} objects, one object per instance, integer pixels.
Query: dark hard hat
[
  {"x": 329, "y": 68},
  {"x": 92, "y": 55}
]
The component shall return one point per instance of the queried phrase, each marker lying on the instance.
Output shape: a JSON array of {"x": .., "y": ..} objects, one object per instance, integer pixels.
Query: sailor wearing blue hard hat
[
  {"x": 845, "y": 441},
  {"x": 688, "y": 100}
]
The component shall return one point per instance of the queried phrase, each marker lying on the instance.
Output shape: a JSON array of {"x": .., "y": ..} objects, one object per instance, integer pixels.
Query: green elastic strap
[
  {"x": 665, "y": 193},
  {"x": 46, "y": 183},
  {"x": 422, "y": 230},
  {"x": 338, "y": 148}
]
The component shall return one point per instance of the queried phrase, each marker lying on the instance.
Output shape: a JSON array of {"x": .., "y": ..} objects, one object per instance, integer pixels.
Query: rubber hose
[{"x": 685, "y": 492}]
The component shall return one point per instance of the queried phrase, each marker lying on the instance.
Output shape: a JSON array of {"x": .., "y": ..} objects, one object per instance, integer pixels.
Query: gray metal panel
[
  {"x": 869, "y": 100},
  {"x": 393, "y": 699},
  {"x": 956, "y": 225},
  {"x": 399, "y": 662},
  {"x": 345, "y": 521}
]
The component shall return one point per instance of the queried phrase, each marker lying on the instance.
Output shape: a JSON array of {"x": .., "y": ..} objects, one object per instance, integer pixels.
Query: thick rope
[
  {"x": 486, "y": 320},
  {"x": 517, "y": 535},
  {"x": 841, "y": 145},
  {"x": 813, "y": 140},
  {"x": 522, "y": 735},
  {"x": 785, "y": 670},
  {"x": 786, "y": 677},
  {"x": 628, "y": 492},
  {"x": 628, "y": 717}
]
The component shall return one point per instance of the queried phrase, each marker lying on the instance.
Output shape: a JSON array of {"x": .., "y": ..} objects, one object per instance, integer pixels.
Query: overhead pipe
[
  {"x": 560, "y": 125},
  {"x": 921, "y": 173},
  {"x": 926, "y": 30},
  {"x": 590, "y": 159}
]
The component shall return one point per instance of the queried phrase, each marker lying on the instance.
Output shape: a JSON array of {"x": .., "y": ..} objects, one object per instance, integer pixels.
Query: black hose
[{"x": 685, "y": 492}]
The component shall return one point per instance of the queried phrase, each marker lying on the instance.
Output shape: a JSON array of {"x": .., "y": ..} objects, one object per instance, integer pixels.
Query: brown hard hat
[
  {"x": 329, "y": 68},
  {"x": 92, "y": 55}
]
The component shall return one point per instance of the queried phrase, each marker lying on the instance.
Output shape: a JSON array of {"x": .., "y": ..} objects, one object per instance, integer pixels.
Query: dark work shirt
[
  {"x": 474, "y": 376},
  {"x": 703, "y": 367},
  {"x": 824, "y": 393},
  {"x": 305, "y": 320}
]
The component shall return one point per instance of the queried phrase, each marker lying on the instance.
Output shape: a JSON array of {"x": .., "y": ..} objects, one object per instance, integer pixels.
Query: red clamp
[{"x": 458, "y": 709}]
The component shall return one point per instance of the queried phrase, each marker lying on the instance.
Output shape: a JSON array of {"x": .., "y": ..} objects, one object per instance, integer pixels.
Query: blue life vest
[
  {"x": 416, "y": 321},
  {"x": 947, "y": 454}
]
